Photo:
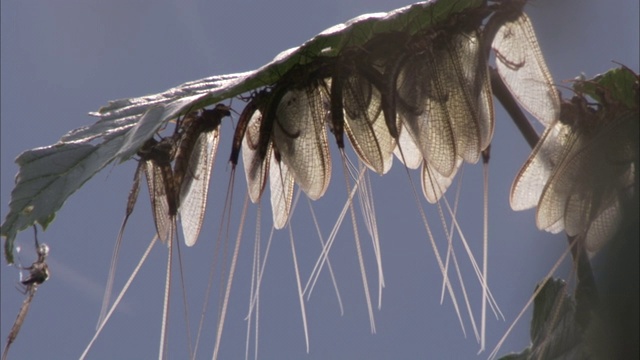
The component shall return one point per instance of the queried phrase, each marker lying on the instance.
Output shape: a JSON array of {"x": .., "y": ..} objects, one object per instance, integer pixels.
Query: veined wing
[
  {"x": 193, "y": 164},
  {"x": 162, "y": 186},
  {"x": 281, "y": 187},
  {"x": 604, "y": 225},
  {"x": 159, "y": 204},
  {"x": 591, "y": 179},
  {"x": 195, "y": 186},
  {"x": 431, "y": 132},
  {"x": 365, "y": 124},
  {"x": 456, "y": 73},
  {"x": 434, "y": 185},
  {"x": 521, "y": 65},
  {"x": 360, "y": 107},
  {"x": 486, "y": 116},
  {"x": 532, "y": 177},
  {"x": 410, "y": 156},
  {"x": 300, "y": 136},
  {"x": 255, "y": 168},
  {"x": 564, "y": 181}
]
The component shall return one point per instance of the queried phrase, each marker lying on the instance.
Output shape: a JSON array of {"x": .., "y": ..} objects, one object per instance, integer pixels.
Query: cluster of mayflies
[
  {"x": 422, "y": 96},
  {"x": 425, "y": 98}
]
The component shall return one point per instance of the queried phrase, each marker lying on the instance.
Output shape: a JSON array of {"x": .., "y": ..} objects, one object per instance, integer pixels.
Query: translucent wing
[
  {"x": 158, "y": 196},
  {"x": 604, "y": 226},
  {"x": 299, "y": 134},
  {"x": 195, "y": 185},
  {"x": 365, "y": 123},
  {"x": 457, "y": 73},
  {"x": 411, "y": 156},
  {"x": 486, "y": 117},
  {"x": 585, "y": 187},
  {"x": 281, "y": 187},
  {"x": 255, "y": 169},
  {"x": 532, "y": 177},
  {"x": 434, "y": 185},
  {"x": 432, "y": 132},
  {"x": 521, "y": 65}
]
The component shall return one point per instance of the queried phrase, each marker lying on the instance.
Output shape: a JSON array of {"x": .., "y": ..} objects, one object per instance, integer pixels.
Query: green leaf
[
  {"x": 619, "y": 85},
  {"x": 554, "y": 331}
]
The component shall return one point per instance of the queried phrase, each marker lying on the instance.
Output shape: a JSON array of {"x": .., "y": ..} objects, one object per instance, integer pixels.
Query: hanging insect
[
  {"x": 156, "y": 160},
  {"x": 294, "y": 120},
  {"x": 258, "y": 168},
  {"x": 246, "y": 138},
  {"x": 520, "y": 63},
  {"x": 155, "y": 163},
  {"x": 581, "y": 173},
  {"x": 193, "y": 163},
  {"x": 38, "y": 274},
  {"x": 444, "y": 97},
  {"x": 362, "y": 102}
]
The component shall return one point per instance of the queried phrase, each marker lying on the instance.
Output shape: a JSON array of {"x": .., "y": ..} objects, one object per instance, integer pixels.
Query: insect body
[
  {"x": 192, "y": 170},
  {"x": 38, "y": 273}
]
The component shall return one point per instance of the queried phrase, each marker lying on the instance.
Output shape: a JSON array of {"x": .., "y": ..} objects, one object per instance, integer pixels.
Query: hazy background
[{"x": 62, "y": 59}]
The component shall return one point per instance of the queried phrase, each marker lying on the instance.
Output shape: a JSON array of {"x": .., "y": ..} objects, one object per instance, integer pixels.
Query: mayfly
[
  {"x": 192, "y": 171},
  {"x": 156, "y": 158},
  {"x": 38, "y": 273},
  {"x": 155, "y": 164},
  {"x": 256, "y": 168},
  {"x": 580, "y": 173},
  {"x": 289, "y": 120},
  {"x": 361, "y": 101},
  {"x": 520, "y": 63},
  {"x": 583, "y": 178},
  {"x": 300, "y": 135},
  {"x": 444, "y": 80}
]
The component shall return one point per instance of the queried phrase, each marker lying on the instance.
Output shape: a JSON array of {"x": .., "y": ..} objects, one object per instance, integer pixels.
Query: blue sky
[{"x": 62, "y": 59}]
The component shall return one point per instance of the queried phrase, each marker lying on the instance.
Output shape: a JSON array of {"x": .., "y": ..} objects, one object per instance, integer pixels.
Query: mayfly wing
[
  {"x": 193, "y": 193},
  {"x": 255, "y": 168},
  {"x": 159, "y": 203},
  {"x": 299, "y": 134},
  {"x": 532, "y": 177},
  {"x": 559, "y": 189},
  {"x": 592, "y": 178},
  {"x": 195, "y": 184},
  {"x": 364, "y": 119},
  {"x": 407, "y": 151},
  {"x": 486, "y": 116},
  {"x": 521, "y": 65},
  {"x": 162, "y": 188},
  {"x": 604, "y": 225},
  {"x": 471, "y": 64},
  {"x": 619, "y": 152},
  {"x": 199, "y": 157},
  {"x": 434, "y": 185},
  {"x": 565, "y": 177},
  {"x": 281, "y": 188},
  {"x": 250, "y": 109},
  {"x": 430, "y": 129},
  {"x": 38, "y": 273},
  {"x": 454, "y": 67}
]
